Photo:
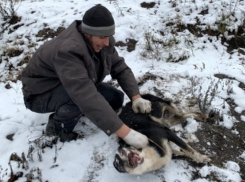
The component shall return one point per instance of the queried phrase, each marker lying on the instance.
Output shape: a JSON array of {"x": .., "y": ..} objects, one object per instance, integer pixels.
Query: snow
[{"x": 91, "y": 159}]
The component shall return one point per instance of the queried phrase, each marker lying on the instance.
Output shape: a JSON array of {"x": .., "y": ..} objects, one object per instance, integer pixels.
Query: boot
[{"x": 55, "y": 128}]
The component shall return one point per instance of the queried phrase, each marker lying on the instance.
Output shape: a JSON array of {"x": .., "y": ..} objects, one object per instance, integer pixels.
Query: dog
[{"x": 155, "y": 125}]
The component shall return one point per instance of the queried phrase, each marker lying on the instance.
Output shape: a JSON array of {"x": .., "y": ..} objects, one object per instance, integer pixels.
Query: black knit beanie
[{"x": 98, "y": 21}]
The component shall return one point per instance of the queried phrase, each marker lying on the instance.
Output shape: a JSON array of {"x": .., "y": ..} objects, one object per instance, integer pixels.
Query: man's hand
[
  {"x": 136, "y": 139},
  {"x": 141, "y": 105}
]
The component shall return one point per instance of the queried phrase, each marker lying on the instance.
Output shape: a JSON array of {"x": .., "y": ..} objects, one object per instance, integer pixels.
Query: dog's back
[{"x": 144, "y": 124}]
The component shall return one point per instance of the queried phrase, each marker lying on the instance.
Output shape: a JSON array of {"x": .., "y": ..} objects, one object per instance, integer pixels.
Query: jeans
[{"x": 65, "y": 111}]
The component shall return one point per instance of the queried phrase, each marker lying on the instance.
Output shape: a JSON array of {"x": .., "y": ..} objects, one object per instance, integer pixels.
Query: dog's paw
[
  {"x": 206, "y": 159},
  {"x": 203, "y": 159}
]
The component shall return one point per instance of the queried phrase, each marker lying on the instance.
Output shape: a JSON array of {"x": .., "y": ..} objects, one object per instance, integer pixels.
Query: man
[{"x": 65, "y": 76}]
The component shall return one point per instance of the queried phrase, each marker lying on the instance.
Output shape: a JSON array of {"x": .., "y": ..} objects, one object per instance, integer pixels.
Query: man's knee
[
  {"x": 68, "y": 110},
  {"x": 119, "y": 98},
  {"x": 113, "y": 96}
]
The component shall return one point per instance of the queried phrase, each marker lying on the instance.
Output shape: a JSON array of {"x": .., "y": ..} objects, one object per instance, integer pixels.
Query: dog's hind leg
[
  {"x": 192, "y": 154},
  {"x": 197, "y": 116},
  {"x": 185, "y": 149},
  {"x": 166, "y": 115}
]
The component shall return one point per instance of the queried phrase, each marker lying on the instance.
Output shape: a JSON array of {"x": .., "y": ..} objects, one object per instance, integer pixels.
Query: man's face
[{"x": 97, "y": 43}]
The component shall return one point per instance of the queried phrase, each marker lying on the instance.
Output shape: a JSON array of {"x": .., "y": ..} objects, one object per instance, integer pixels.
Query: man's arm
[
  {"x": 127, "y": 81},
  {"x": 136, "y": 97},
  {"x": 123, "y": 131},
  {"x": 129, "y": 135},
  {"x": 132, "y": 137}
]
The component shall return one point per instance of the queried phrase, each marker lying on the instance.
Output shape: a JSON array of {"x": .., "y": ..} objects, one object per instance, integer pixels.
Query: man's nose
[{"x": 106, "y": 41}]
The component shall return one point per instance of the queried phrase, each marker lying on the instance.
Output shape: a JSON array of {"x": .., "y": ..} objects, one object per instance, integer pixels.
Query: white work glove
[
  {"x": 136, "y": 139},
  {"x": 141, "y": 105}
]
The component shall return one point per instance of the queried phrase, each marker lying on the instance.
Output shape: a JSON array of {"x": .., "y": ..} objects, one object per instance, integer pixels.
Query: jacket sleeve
[
  {"x": 124, "y": 75},
  {"x": 74, "y": 77}
]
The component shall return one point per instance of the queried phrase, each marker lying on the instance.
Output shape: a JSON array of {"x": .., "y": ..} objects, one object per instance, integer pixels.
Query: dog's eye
[{"x": 122, "y": 152}]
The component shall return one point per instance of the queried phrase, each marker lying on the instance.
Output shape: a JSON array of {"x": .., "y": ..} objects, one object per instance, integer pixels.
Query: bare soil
[{"x": 218, "y": 142}]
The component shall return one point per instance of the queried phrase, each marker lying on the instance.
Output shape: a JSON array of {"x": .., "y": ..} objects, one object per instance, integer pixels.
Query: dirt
[
  {"x": 222, "y": 144},
  {"x": 49, "y": 33},
  {"x": 130, "y": 43},
  {"x": 218, "y": 142},
  {"x": 147, "y": 5}
]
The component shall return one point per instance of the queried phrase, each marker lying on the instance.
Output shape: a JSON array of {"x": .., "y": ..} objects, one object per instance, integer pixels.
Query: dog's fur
[{"x": 158, "y": 152}]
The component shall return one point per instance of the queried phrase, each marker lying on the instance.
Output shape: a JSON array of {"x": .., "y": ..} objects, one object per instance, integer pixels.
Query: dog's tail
[{"x": 175, "y": 139}]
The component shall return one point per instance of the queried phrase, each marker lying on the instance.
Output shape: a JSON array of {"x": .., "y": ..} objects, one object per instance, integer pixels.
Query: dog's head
[
  {"x": 139, "y": 161},
  {"x": 128, "y": 159}
]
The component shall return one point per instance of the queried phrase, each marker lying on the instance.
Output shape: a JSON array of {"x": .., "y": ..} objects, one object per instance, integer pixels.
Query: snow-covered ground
[{"x": 91, "y": 159}]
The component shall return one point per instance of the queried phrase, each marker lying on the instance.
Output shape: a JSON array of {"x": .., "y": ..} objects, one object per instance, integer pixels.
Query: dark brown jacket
[{"x": 67, "y": 60}]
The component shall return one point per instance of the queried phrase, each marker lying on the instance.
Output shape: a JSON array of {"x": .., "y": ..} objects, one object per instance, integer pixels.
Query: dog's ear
[{"x": 121, "y": 142}]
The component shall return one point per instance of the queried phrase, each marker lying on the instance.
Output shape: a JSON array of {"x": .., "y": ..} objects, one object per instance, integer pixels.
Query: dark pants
[{"x": 65, "y": 111}]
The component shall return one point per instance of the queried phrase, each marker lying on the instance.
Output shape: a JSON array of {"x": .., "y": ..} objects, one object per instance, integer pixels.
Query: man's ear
[{"x": 87, "y": 36}]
